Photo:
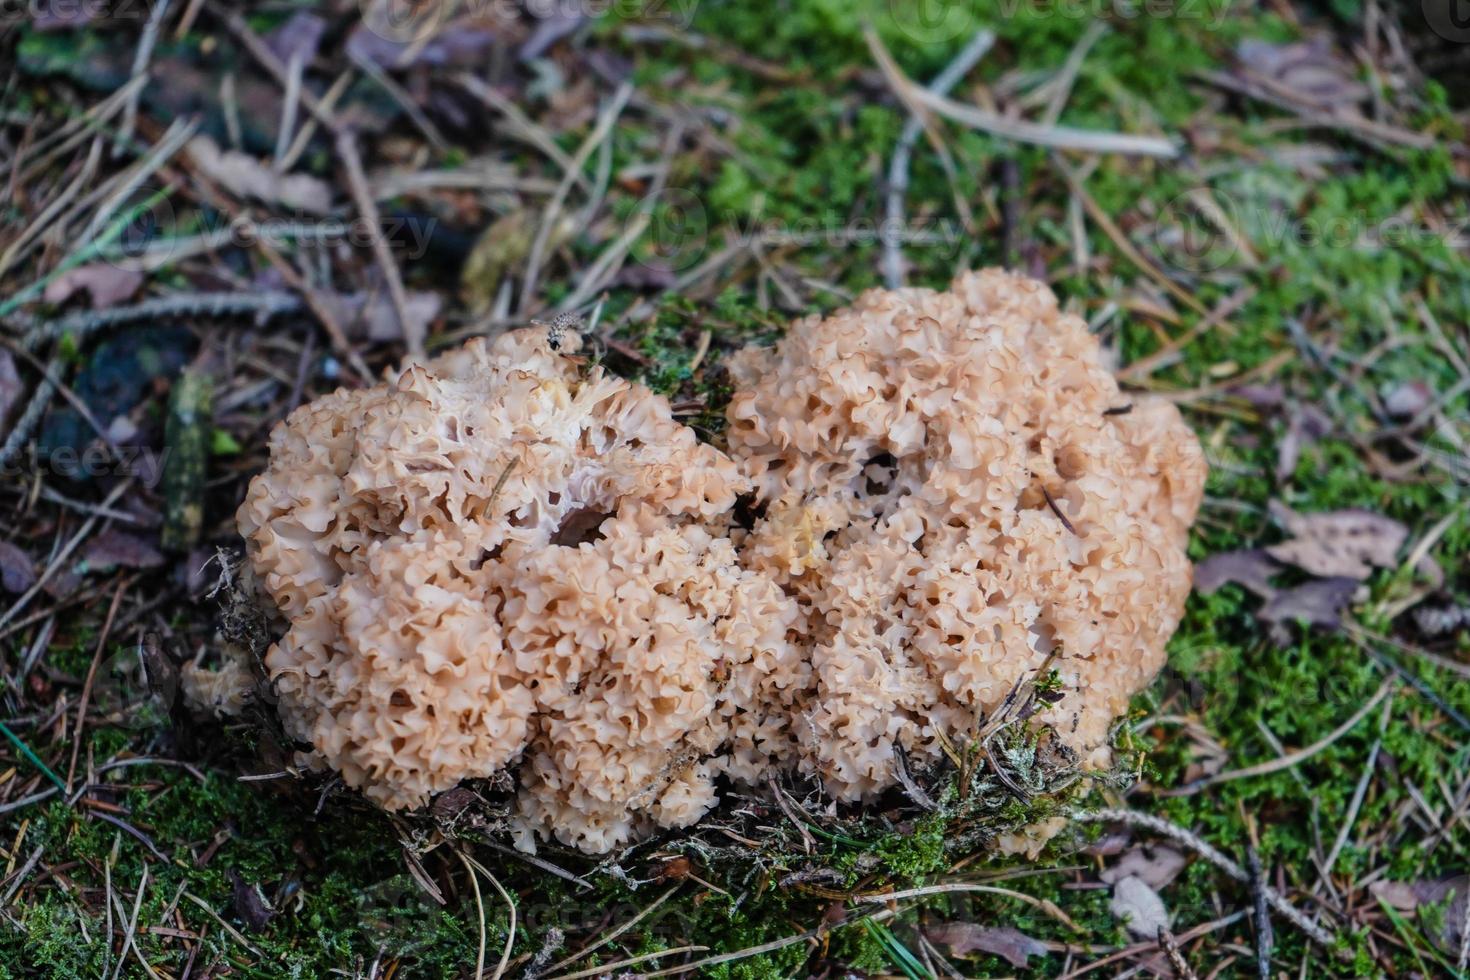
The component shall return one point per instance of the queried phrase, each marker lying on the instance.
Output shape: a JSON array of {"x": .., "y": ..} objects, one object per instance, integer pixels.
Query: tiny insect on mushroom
[{"x": 505, "y": 558}]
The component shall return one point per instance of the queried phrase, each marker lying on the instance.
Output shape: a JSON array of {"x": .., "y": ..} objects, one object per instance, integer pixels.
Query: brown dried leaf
[
  {"x": 549, "y": 29},
  {"x": 17, "y": 570},
  {"x": 1138, "y": 907},
  {"x": 374, "y": 317},
  {"x": 250, "y": 903},
  {"x": 1155, "y": 866},
  {"x": 462, "y": 43},
  {"x": 1316, "y": 603},
  {"x": 1250, "y": 567},
  {"x": 1312, "y": 72},
  {"x": 964, "y": 938},
  {"x": 1440, "y": 906},
  {"x": 245, "y": 176},
  {"x": 113, "y": 548},
  {"x": 1342, "y": 543},
  {"x": 1114, "y": 841},
  {"x": 106, "y": 284},
  {"x": 447, "y": 806},
  {"x": 1267, "y": 398}
]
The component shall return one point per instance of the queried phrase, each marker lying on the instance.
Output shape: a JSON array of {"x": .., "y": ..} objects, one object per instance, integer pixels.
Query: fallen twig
[
  {"x": 1374, "y": 133},
  {"x": 141, "y": 58},
  {"x": 1264, "y": 937},
  {"x": 600, "y": 131},
  {"x": 413, "y": 331},
  {"x": 1300, "y": 755},
  {"x": 1207, "y": 851},
  {"x": 79, "y": 325},
  {"x": 1057, "y": 137},
  {"x": 898, "y": 167}
]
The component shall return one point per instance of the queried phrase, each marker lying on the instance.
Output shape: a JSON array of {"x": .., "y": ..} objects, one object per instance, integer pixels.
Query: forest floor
[{"x": 214, "y": 212}]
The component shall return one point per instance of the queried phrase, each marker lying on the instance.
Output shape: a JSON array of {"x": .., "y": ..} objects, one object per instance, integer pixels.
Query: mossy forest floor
[{"x": 1296, "y": 279}]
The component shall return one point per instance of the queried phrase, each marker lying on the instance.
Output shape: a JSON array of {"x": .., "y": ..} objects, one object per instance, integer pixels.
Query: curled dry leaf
[
  {"x": 299, "y": 37},
  {"x": 1407, "y": 400},
  {"x": 1316, "y": 603},
  {"x": 1439, "y": 905},
  {"x": 17, "y": 570},
  {"x": 1441, "y": 620},
  {"x": 113, "y": 548},
  {"x": 1155, "y": 866},
  {"x": 1342, "y": 543},
  {"x": 245, "y": 176},
  {"x": 1138, "y": 907},
  {"x": 105, "y": 284},
  {"x": 1312, "y": 72},
  {"x": 964, "y": 938},
  {"x": 1250, "y": 567}
]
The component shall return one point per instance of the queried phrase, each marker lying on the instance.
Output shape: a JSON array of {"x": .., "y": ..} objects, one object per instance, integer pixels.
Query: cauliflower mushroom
[
  {"x": 502, "y": 556},
  {"x": 955, "y": 489},
  {"x": 505, "y": 557}
]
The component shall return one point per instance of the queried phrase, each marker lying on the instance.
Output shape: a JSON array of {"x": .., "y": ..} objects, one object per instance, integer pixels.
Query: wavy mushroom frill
[
  {"x": 503, "y": 556},
  {"x": 954, "y": 489}
]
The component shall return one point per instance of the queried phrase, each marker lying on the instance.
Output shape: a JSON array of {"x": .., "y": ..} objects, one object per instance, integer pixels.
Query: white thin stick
[
  {"x": 643, "y": 958},
  {"x": 480, "y": 906},
  {"x": 64, "y": 554},
  {"x": 295, "y": 69},
  {"x": 413, "y": 331},
  {"x": 1056, "y": 137},
  {"x": 600, "y": 131},
  {"x": 133, "y": 928},
  {"x": 170, "y": 143},
  {"x": 140, "y": 68},
  {"x": 616, "y": 932},
  {"x": 1359, "y": 793},
  {"x": 770, "y": 947},
  {"x": 1301, "y": 755},
  {"x": 1068, "y": 75},
  {"x": 898, "y": 167}
]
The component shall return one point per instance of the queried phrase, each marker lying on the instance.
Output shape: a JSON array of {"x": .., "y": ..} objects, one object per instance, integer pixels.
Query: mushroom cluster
[{"x": 505, "y": 557}]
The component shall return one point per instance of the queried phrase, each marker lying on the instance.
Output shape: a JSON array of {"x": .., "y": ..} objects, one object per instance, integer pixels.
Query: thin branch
[
  {"x": 1205, "y": 850},
  {"x": 413, "y": 331},
  {"x": 898, "y": 167},
  {"x": 919, "y": 98}
]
